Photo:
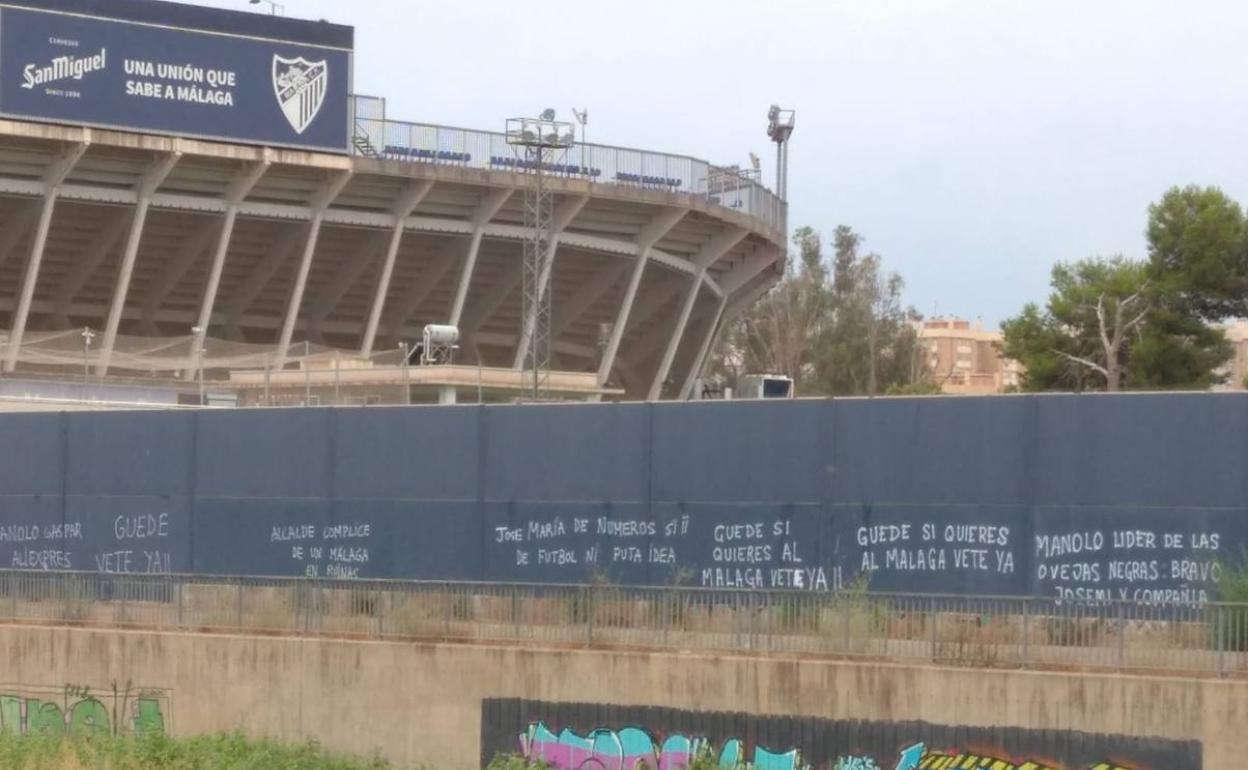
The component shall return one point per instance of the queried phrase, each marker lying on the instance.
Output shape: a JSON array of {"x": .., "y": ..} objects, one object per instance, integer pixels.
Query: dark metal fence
[{"x": 978, "y": 631}]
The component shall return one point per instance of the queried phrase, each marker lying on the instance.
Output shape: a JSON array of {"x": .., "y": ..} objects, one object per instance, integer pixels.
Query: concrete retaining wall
[{"x": 422, "y": 704}]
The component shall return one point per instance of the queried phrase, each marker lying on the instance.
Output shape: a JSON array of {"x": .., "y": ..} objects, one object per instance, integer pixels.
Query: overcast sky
[{"x": 971, "y": 143}]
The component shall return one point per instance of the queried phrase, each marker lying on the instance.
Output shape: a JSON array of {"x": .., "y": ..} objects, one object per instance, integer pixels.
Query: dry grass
[{"x": 158, "y": 752}]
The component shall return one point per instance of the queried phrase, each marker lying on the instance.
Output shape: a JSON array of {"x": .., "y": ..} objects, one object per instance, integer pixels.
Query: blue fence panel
[
  {"x": 932, "y": 450},
  {"x": 1138, "y": 497},
  {"x": 1149, "y": 450},
  {"x": 406, "y": 454},
  {"x": 265, "y": 454},
  {"x": 559, "y": 453},
  {"x": 741, "y": 451},
  {"x": 31, "y": 458}
]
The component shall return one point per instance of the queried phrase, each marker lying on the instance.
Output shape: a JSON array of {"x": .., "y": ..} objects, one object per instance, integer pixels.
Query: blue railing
[{"x": 376, "y": 136}]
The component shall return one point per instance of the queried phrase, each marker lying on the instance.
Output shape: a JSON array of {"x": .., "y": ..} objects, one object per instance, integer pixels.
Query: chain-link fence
[
  {"x": 162, "y": 372},
  {"x": 976, "y": 631}
]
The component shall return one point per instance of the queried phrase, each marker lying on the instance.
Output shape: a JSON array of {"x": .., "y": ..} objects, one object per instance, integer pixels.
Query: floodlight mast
[
  {"x": 539, "y": 142},
  {"x": 277, "y": 9},
  {"x": 780, "y": 128}
]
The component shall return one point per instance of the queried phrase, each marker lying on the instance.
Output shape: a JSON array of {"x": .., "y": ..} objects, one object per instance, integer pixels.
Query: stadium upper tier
[
  {"x": 137, "y": 234},
  {"x": 729, "y": 186}
]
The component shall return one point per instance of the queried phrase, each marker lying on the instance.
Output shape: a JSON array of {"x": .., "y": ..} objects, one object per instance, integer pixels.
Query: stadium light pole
[
  {"x": 87, "y": 336},
  {"x": 407, "y": 385},
  {"x": 582, "y": 118},
  {"x": 307, "y": 373},
  {"x": 199, "y": 361},
  {"x": 268, "y": 376},
  {"x": 541, "y": 142},
  {"x": 273, "y": 7},
  {"x": 780, "y": 128}
]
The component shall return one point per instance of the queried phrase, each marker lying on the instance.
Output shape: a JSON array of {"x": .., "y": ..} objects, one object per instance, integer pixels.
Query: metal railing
[
  {"x": 377, "y": 136},
  {"x": 1209, "y": 639}
]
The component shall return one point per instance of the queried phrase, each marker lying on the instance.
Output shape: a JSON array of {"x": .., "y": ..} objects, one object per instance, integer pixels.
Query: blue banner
[{"x": 64, "y": 68}]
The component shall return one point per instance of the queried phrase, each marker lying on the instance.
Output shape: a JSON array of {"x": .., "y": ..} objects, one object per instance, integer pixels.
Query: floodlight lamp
[
  {"x": 780, "y": 123},
  {"x": 755, "y": 162},
  {"x": 274, "y": 7},
  {"x": 548, "y": 114}
]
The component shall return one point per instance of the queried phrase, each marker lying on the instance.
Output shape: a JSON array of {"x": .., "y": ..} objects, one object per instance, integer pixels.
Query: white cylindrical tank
[{"x": 441, "y": 335}]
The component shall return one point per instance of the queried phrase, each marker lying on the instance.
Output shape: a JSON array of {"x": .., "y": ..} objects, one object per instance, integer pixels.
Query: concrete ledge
[{"x": 420, "y": 704}]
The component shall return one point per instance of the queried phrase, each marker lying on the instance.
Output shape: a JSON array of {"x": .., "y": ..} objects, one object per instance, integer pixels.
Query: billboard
[{"x": 74, "y": 68}]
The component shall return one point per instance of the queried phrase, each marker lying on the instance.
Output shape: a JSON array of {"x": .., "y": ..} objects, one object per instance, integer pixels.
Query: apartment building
[{"x": 964, "y": 357}]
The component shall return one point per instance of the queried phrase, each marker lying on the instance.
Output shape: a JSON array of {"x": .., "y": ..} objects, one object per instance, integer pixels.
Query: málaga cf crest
[{"x": 300, "y": 87}]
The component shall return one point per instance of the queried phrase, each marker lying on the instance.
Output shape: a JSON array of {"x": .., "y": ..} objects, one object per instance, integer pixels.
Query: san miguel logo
[
  {"x": 300, "y": 86},
  {"x": 64, "y": 68}
]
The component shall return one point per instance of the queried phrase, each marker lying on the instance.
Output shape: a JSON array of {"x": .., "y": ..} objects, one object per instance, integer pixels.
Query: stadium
[{"x": 188, "y": 194}]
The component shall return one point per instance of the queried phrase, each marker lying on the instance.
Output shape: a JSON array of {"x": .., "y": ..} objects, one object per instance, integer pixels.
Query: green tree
[
  {"x": 837, "y": 331},
  {"x": 1114, "y": 322},
  {"x": 1177, "y": 351},
  {"x": 1109, "y": 324},
  {"x": 1096, "y": 311},
  {"x": 1198, "y": 253},
  {"x": 1037, "y": 340},
  {"x": 869, "y": 344}
]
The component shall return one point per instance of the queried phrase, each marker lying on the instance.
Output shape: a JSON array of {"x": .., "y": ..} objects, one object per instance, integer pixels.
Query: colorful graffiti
[
  {"x": 633, "y": 748},
  {"x": 564, "y": 736},
  {"x": 80, "y": 710}
]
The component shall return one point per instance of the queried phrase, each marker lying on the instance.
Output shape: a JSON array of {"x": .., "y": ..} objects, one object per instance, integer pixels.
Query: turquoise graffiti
[
  {"x": 632, "y": 748},
  {"x": 79, "y": 710}
]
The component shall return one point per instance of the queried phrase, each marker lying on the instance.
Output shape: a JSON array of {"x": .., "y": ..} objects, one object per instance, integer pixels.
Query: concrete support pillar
[
  {"x": 411, "y": 199},
  {"x": 53, "y": 178},
  {"x": 699, "y": 361},
  {"x": 151, "y": 181},
  {"x": 239, "y": 189},
  {"x": 749, "y": 269},
  {"x": 322, "y": 201},
  {"x": 486, "y": 210},
  {"x": 669, "y": 355},
  {"x": 659, "y": 227},
  {"x": 726, "y": 315}
]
